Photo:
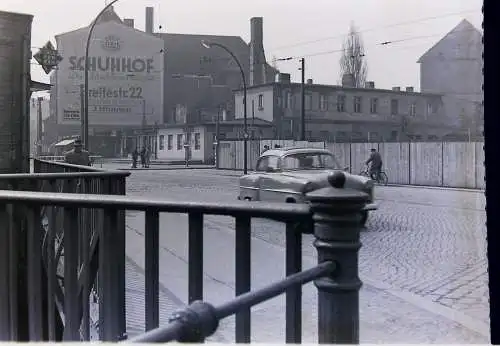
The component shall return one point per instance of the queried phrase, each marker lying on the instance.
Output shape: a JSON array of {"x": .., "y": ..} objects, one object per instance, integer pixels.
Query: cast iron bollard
[{"x": 337, "y": 230}]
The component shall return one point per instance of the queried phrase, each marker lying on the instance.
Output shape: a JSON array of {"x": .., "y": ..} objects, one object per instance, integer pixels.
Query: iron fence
[
  {"x": 333, "y": 213},
  {"x": 58, "y": 178}
]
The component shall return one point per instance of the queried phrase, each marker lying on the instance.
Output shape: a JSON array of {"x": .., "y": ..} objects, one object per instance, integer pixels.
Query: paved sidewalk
[{"x": 387, "y": 315}]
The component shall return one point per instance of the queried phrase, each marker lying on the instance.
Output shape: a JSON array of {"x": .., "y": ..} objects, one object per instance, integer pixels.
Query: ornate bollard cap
[{"x": 337, "y": 179}]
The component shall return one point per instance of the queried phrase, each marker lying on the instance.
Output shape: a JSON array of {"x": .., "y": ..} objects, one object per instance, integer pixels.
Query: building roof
[
  {"x": 64, "y": 142},
  {"x": 108, "y": 16},
  {"x": 334, "y": 87},
  {"x": 464, "y": 29}
]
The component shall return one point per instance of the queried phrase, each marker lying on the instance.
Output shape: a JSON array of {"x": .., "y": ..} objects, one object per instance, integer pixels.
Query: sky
[{"x": 311, "y": 29}]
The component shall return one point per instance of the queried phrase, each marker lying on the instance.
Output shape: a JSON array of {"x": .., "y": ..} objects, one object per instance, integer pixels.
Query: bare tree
[{"x": 353, "y": 59}]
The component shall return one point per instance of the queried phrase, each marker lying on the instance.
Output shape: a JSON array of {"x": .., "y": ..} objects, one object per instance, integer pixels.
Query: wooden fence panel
[
  {"x": 342, "y": 152},
  {"x": 360, "y": 152},
  {"x": 480, "y": 169},
  {"x": 459, "y": 164},
  {"x": 396, "y": 163},
  {"x": 253, "y": 153},
  {"x": 426, "y": 161},
  {"x": 225, "y": 155}
]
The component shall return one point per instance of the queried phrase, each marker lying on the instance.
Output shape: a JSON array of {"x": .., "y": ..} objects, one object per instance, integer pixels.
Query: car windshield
[{"x": 310, "y": 161}]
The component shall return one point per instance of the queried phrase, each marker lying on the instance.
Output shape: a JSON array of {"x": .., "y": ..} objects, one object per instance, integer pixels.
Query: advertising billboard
[{"x": 125, "y": 76}]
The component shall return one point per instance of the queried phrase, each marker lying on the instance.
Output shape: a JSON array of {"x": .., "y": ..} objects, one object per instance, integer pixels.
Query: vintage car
[{"x": 286, "y": 175}]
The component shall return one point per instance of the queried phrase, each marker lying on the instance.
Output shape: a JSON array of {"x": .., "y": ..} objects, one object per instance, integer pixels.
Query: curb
[
  {"x": 459, "y": 317},
  {"x": 462, "y": 189},
  {"x": 160, "y": 168}
]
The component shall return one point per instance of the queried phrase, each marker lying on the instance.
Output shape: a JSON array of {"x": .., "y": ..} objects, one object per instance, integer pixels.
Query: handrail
[
  {"x": 72, "y": 166},
  {"x": 68, "y": 175},
  {"x": 237, "y": 208},
  {"x": 205, "y": 317}
]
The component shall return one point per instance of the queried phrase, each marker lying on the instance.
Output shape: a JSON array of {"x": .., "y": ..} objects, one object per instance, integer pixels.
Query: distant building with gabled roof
[{"x": 453, "y": 67}]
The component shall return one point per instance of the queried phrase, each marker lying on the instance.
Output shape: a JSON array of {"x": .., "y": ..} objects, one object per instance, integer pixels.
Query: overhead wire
[
  {"x": 303, "y": 43},
  {"x": 383, "y": 43}
]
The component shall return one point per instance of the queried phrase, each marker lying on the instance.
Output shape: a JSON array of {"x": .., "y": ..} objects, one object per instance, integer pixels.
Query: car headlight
[
  {"x": 370, "y": 189},
  {"x": 308, "y": 187}
]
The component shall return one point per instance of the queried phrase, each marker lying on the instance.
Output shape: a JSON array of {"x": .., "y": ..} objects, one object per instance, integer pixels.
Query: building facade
[
  {"x": 125, "y": 79},
  {"x": 197, "y": 142},
  {"x": 344, "y": 113},
  {"x": 152, "y": 75},
  {"x": 453, "y": 67}
]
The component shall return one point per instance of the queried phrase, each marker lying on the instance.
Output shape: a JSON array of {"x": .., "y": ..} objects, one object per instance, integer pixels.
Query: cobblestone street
[{"x": 423, "y": 261}]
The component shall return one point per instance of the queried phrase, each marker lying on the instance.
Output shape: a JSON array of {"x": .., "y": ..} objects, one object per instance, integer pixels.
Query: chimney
[
  {"x": 370, "y": 85},
  {"x": 149, "y": 20},
  {"x": 284, "y": 78},
  {"x": 348, "y": 80},
  {"x": 396, "y": 89},
  {"x": 128, "y": 22},
  {"x": 409, "y": 89},
  {"x": 309, "y": 81},
  {"x": 257, "y": 56}
]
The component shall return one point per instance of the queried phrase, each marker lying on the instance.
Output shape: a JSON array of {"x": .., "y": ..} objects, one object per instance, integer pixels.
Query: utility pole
[
  {"x": 303, "y": 101},
  {"x": 82, "y": 114},
  {"x": 39, "y": 127},
  {"x": 144, "y": 124},
  {"x": 217, "y": 137}
]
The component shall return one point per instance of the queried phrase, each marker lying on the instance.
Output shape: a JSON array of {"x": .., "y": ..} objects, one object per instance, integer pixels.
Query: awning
[
  {"x": 64, "y": 142},
  {"x": 39, "y": 86}
]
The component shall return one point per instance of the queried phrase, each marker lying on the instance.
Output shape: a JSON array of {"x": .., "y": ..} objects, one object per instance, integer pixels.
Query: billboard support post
[{"x": 85, "y": 118}]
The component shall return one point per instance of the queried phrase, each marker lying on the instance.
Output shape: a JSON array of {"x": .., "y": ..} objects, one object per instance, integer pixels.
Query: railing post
[{"x": 336, "y": 215}]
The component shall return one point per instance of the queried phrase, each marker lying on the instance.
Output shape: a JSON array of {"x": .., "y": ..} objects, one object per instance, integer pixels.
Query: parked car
[{"x": 287, "y": 175}]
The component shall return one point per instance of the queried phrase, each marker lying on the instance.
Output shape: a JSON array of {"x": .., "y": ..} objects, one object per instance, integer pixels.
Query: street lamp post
[
  {"x": 85, "y": 118},
  {"x": 245, "y": 115}
]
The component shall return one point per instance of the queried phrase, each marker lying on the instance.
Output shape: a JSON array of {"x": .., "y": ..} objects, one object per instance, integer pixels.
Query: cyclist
[{"x": 376, "y": 164}]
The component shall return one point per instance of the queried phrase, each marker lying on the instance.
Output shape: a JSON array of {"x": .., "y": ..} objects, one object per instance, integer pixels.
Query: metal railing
[
  {"x": 96, "y": 160},
  {"x": 333, "y": 213},
  {"x": 67, "y": 179}
]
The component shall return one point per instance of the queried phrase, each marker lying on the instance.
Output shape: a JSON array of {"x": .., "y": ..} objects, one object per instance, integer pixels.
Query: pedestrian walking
[
  {"x": 135, "y": 157},
  {"x": 143, "y": 157},
  {"x": 148, "y": 156},
  {"x": 77, "y": 156}
]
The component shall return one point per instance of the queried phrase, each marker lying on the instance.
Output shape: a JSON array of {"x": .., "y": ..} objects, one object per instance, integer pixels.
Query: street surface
[{"x": 423, "y": 262}]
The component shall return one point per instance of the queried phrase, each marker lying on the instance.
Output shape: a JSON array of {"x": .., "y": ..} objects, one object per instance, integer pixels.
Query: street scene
[
  {"x": 423, "y": 261},
  {"x": 183, "y": 173}
]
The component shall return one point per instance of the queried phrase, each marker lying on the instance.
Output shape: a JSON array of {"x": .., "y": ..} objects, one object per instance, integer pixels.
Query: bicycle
[{"x": 382, "y": 177}]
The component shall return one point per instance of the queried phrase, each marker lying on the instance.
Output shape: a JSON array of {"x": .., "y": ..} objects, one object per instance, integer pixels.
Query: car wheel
[
  {"x": 290, "y": 200},
  {"x": 247, "y": 199},
  {"x": 364, "y": 218}
]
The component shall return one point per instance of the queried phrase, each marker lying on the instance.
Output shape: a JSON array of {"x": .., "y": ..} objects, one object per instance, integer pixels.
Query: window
[
  {"x": 261, "y": 102},
  {"x": 286, "y": 99},
  {"x": 308, "y": 100},
  {"x": 323, "y": 102},
  {"x": 162, "y": 142},
  {"x": 341, "y": 103},
  {"x": 268, "y": 164},
  {"x": 310, "y": 161},
  {"x": 374, "y": 106},
  {"x": 170, "y": 142},
  {"x": 394, "y": 135},
  {"x": 357, "y": 104},
  {"x": 179, "y": 141},
  {"x": 430, "y": 108},
  {"x": 394, "y": 107},
  {"x": 188, "y": 138},
  {"x": 197, "y": 144},
  {"x": 413, "y": 109}
]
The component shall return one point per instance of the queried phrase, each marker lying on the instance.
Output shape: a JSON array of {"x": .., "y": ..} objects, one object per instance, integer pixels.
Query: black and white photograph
[{"x": 266, "y": 171}]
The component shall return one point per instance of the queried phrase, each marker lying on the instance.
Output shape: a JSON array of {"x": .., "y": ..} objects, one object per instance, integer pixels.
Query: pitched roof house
[{"x": 453, "y": 67}]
